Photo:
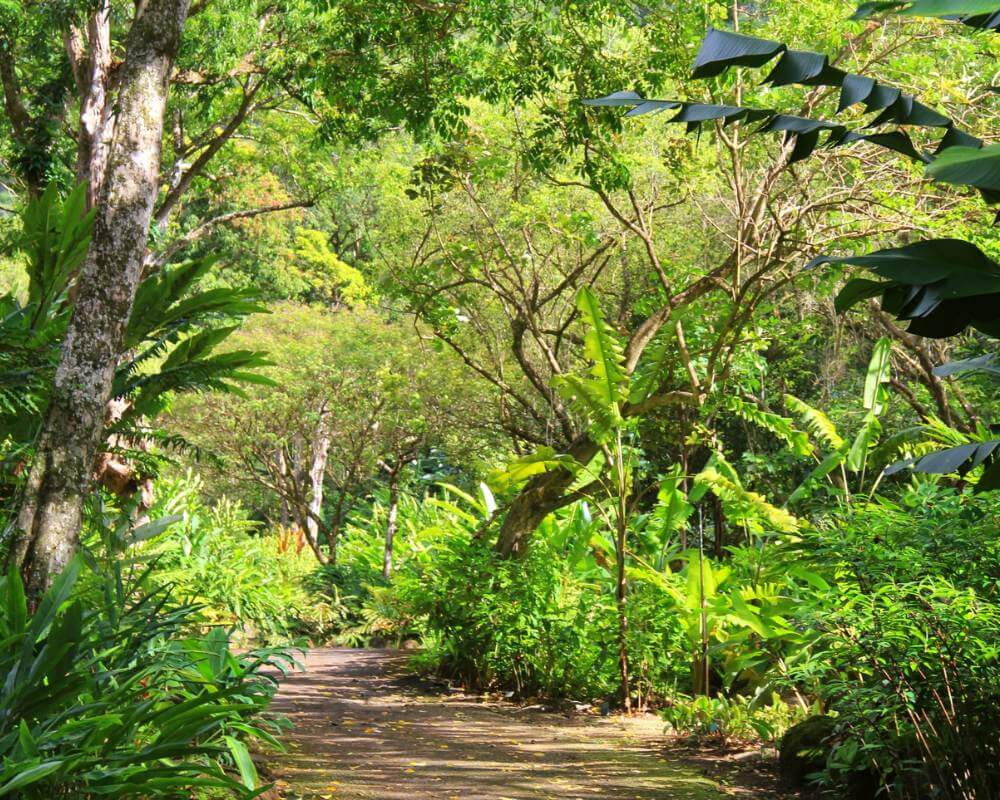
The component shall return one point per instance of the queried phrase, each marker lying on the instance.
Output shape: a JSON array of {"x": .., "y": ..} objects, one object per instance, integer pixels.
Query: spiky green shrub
[{"x": 107, "y": 694}]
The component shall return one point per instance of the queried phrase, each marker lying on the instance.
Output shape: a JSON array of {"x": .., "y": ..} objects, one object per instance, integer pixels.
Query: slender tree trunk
[
  {"x": 302, "y": 519},
  {"x": 92, "y": 71},
  {"x": 279, "y": 456},
  {"x": 701, "y": 666},
  {"x": 317, "y": 474},
  {"x": 50, "y": 517},
  {"x": 390, "y": 525},
  {"x": 621, "y": 582},
  {"x": 621, "y": 596},
  {"x": 719, "y": 522}
]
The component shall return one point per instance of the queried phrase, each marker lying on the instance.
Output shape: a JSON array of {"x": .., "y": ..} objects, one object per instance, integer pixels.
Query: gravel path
[{"x": 364, "y": 729}]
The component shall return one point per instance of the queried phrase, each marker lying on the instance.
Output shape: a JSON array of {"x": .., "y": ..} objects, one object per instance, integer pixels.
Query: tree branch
[{"x": 154, "y": 262}]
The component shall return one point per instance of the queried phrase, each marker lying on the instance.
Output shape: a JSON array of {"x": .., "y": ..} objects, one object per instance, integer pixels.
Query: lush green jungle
[{"x": 641, "y": 355}]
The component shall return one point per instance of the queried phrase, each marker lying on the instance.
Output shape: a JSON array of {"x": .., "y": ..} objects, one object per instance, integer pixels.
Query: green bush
[
  {"x": 241, "y": 576},
  {"x": 107, "y": 694},
  {"x": 904, "y": 646},
  {"x": 526, "y": 626},
  {"x": 725, "y": 718},
  {"x": 543, "y": 625}
]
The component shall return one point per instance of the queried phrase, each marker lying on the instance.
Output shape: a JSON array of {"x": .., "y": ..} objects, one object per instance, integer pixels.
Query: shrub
[
  {"x": 241, "y": 577},
  {"x": 731, "y": 718},
  {"x": 114, "y": 698},
  {"x": 544, "y": 625},
  {"x": 904, "y": 649}
]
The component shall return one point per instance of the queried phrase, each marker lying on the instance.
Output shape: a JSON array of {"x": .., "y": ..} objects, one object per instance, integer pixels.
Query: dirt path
[{"x": 363, "y": 730}]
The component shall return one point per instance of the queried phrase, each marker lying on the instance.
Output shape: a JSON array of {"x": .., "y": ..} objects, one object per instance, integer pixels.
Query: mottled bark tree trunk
[
  {"x": 317, "y": 474},
  {"x": 50, "y": 517},
  {"x": 89, "y": 51},
  {"x": 282, "y": 469},
  {"x": 390, "y": 524},
  {"x": 540, "y": 496}
]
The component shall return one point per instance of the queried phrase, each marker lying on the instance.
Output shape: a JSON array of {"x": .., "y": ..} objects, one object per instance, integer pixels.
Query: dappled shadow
[{"x": 362, "y": 732}]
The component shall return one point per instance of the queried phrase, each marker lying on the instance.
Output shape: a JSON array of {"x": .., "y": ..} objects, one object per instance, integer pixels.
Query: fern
[
  {"x": 749, "y": 508},
  {"x": 818, "y": 423},
  {"x": 780, "y": 426}
]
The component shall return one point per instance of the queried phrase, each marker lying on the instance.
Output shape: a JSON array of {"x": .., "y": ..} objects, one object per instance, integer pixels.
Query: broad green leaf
[
  {"x": 857, "y": 455},
  {"x": 968, "y": 166},
  {"x": 521, "y": 469},
  {"x": 602, "y": 347},
  {"x": 825, "y": 467},
  {"x": 30, "y": 776},
  {"x": 877, "y": 373},
  {"x": 245, "y": 765}
]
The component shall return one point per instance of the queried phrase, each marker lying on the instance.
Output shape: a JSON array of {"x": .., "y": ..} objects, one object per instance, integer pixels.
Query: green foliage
[
  {"x": 240, "y": 576},
  {"x": 505, "y": 235},
  {"x": 736, "y": 718},
  {"x": 108, "y": 693},
  {"x": 600, "y": 397},
  {"x": 903, "y": 642},
  {"x": 170, "y": 343},
  {"x": 324, "y": 275}
]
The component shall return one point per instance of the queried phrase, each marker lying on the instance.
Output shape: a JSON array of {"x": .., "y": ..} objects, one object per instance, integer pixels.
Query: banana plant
[
  {"x": 849, "y": 456},
  {"x": 600, "y": 396}
]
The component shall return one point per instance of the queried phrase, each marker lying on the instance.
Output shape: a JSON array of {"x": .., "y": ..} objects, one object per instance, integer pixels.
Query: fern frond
[
  {"x": 780, "y": 426},
  {"x": 818, "y": 423}
]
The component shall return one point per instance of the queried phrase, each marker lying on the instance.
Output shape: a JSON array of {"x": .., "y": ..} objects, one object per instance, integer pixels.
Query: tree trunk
[
  {"x": 719, "y": 522},
  {"x": 540, "y": 496},
  {"x": 92, "y": 70},
  {"x": 621, "y": 592},
  {"x": 285, "y": 518},
  {"x": 317, "y": 473},
  {"x": 50, "y": 517},
  {"x": 390, "y": 525}
]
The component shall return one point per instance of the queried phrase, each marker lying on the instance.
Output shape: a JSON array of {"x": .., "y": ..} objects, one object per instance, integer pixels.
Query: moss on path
[{"x": 362, "y": 731}]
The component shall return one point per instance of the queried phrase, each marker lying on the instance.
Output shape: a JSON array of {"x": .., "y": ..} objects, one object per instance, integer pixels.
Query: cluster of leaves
[
  {"x": 172, "y": 341},
  {"x": 241, "y": 577},
  {"x": 902, "y": 642},
  {"x": 108, "y": 695}
]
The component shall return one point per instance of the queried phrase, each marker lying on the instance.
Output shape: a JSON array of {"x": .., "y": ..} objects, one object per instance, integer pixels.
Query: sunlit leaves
[
  {"x": 601, "y": 396},
  {"x": 521, "y": 469}
]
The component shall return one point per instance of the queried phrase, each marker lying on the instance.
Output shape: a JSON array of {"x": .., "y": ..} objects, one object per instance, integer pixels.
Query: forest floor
[{"x": 365, "y": 728}]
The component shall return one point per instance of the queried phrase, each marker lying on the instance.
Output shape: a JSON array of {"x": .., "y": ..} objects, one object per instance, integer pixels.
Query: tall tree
[
  {"x": 356, "y": 70},
  {"x": 49, "y": 520}
]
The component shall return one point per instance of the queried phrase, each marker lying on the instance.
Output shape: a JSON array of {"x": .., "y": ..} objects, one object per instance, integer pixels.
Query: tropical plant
[
  {"x": 171, "y": 345},
  {"x": 940, "y": 287},
  {"x": 242, "y": 577},
  {"x": 901, "y": 643},
  {"x": 107, "y": 693}
]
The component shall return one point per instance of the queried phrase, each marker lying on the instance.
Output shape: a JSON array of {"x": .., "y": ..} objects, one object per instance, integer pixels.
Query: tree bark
[
  {"x": 317, "y": 473},
  {"x": 621, "y": 579},
  {"x": 282, "y": 470},
  {"x": 92, "y": 71},
  {"x": 540, "y": 496},
  {"x": 50, "y": 516},
  {"x": 390, "y": 525}
]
